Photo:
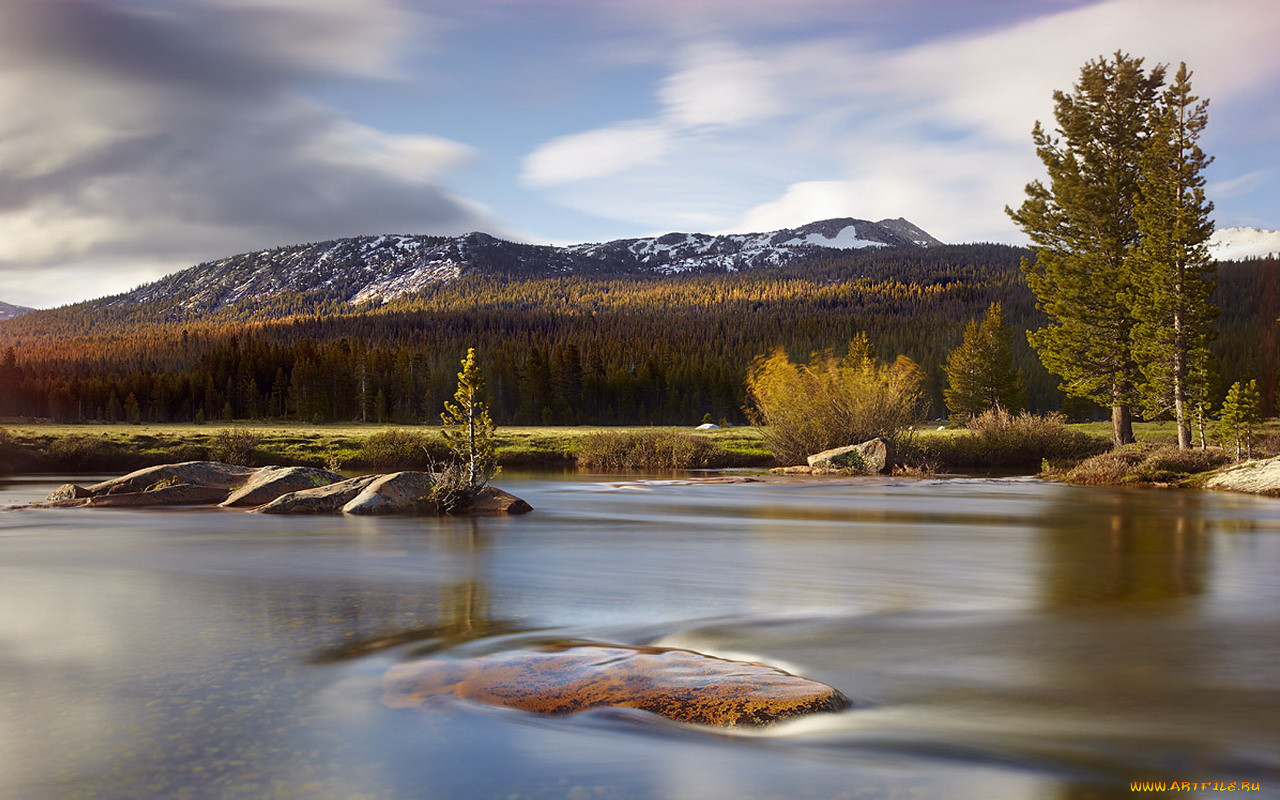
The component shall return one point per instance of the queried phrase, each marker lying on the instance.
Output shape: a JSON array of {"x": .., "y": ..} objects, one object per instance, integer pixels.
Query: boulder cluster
[{"x": 277, "y": 490}]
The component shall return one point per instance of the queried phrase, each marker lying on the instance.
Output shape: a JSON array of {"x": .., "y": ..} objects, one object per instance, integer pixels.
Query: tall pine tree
[
  {"x": 1082, "y": 228},
  {"x": 980, "y": 373},
  {"x": 1172, "y": 270}
]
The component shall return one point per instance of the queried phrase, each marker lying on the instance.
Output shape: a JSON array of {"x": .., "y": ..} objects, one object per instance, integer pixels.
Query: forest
[{"x": 561, "y": 350}]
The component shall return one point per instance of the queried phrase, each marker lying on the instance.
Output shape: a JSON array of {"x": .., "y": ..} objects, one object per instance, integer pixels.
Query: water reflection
[{"x": 1125, "y": 550}]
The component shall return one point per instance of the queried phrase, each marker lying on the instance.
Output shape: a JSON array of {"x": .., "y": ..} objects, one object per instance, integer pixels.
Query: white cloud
[
  {"x": 717, "y": 84},
  {"x": 596, "y": 154}
]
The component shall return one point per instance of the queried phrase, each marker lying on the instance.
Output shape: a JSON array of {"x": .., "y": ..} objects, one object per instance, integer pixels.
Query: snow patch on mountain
[
  {"x": 1235, "y": 244},
  {"x": 846, "y": 239}
]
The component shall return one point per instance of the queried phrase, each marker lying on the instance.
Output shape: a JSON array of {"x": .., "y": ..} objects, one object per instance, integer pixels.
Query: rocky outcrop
[
  {"x": 397, "y": 493},
  {"x": 179, "y": 494},
  {"x": 268, "y": 483},
  {"x": 563, "y": 679},
  {"x": 870, "y": 457},
  {"x": 321, "y": 500},
  {"x": 1255, "y": 477},
  {"x": 213, "y": 474},
  {"x": 277, "y": 490}
]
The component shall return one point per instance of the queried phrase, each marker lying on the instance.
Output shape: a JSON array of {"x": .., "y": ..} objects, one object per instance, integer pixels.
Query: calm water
[{"x": 1014, "y": 639}]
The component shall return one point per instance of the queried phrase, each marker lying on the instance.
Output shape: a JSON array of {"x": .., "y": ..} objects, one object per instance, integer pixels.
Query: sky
[{"x": 139, "y": 137}]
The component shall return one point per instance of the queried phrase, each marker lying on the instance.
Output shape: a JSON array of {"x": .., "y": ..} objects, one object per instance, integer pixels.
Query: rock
[
  {"x": 492, "y": 500},
  {"x": 268, "y": 483},
  {"x": 872, "y": 457},
  {"x": 322, "y": 500},
  {"x": 397, "y": 493},
  {"x": 195, "y": 473},
  {"x": 707, "y": 426},
  {"x": 791, "y": 471},
  {"x": 1255, "y": 477},
  {"x": 67, "y": 491},
  {"x": 180, "y": 494},
  {"x": 563, "y": 679}
]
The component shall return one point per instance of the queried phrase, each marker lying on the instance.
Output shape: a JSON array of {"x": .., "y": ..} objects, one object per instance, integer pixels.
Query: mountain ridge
[{"x": 381, "y": 268}]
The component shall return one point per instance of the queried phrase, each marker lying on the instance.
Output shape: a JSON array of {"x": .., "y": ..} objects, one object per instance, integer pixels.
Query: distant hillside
[
  {"x": 381, "y": 268},
  {"x": 9, "y": 311}
]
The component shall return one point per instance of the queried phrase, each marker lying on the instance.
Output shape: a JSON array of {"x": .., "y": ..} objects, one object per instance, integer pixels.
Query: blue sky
[{"x": 140, "y": 137}]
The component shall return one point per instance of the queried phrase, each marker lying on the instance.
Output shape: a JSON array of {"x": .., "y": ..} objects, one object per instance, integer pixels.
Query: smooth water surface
[{"x": 1006, "y": 639}]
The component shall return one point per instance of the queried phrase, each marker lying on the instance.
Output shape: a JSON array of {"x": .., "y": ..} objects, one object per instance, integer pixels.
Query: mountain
[
  {"x": 1234, "y": 244},
  {"x": 9, "y": 311},
  {"x": 380, "y": 268}
]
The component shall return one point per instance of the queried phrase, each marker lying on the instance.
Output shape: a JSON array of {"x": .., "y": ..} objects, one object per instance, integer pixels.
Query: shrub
[
  {"x": 803, "y": 409},
  {"x": 997, "y": 438},
  {"x": 397, "y": 448},
  {"x": 235, "y": 446},
  {"x": 654, "y": 451},
  {"x": 1142, "y": 463},
  {"x": 75, "y": 452}
]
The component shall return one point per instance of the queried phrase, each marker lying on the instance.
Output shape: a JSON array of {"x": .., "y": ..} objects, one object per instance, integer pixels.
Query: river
[{"x": 1004, "y": 638}]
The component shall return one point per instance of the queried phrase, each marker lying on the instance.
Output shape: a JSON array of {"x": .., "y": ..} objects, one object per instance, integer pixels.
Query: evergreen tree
[
  {"x": 980, "y": 373},
  {"x": 132, "y": 412},
  {"x": 1239, "y": 418},
  {"x": 1171, "y": 265},
  {"x": 468, "y": 429},
  {"x": 1082, "y": 228}
]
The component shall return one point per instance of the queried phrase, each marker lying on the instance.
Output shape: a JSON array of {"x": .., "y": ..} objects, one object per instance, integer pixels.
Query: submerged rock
[
  {"x": 321, "y": 500},
  {"x": 268, "y": 483},
  {"x": 563, "y": 679},
  {"x": 213, "y": 474},
  {"x": 397, "y": 493}
]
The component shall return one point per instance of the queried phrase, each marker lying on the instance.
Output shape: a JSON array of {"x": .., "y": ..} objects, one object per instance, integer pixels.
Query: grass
[
  {"x": 1144, "y": 463},
  {"x": 89, "y": 447}
]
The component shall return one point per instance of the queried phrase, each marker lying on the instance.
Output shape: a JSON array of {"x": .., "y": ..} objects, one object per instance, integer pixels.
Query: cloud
[
  {"x": 597, "y": 153},
  {"x": 138, "y": 135},
  {"x": 935, "y": 128}
]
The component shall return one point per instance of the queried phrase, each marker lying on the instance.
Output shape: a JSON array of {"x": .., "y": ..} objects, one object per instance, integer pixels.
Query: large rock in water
[
  {"x": 492, "y": 500},
  {"x": 212, "y": 474},
  {"x": 1255, "y": 477},
  {"x": 397, "y": 493},
  {"x": 178, "y": 494},
  {"x": 321, "y": 500},
  {"x": 564, "y": 679},
  {"x": 268, "y": 483},
  {"x": 871, "y": 457}
]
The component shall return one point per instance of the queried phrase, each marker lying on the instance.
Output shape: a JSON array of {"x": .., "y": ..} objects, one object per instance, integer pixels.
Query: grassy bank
[{"x": 92, "y": 447}]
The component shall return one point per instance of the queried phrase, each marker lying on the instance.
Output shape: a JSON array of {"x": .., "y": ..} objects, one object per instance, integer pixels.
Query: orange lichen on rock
[{"x": 564, "y": 679}]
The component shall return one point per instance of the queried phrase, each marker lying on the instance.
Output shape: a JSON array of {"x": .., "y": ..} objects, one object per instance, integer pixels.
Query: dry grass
[
  {"x": 651, "y": 451},
  {"x": 1001, "y": 439},
  {"x": 1142, "y": 463}
]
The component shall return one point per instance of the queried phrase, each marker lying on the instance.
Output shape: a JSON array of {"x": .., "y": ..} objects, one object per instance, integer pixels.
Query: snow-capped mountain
[
  {"x": 380, "y": 268},
  {"x": 9, "y": 311},
  {"x": 1234, "y": 244}
]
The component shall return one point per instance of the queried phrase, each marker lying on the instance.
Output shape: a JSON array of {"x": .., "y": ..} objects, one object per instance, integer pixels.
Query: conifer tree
[
  {"x": 1082, "y": 229},
  {"x": 468, "y": 429},
  {"x": 1239, "y": 418},
  {"x": 1172, "y": 270},
  {"x": 980, "y": 373}
]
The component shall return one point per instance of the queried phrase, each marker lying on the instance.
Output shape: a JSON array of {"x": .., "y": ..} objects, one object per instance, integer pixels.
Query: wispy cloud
[{"x": 937, "y": 130}]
